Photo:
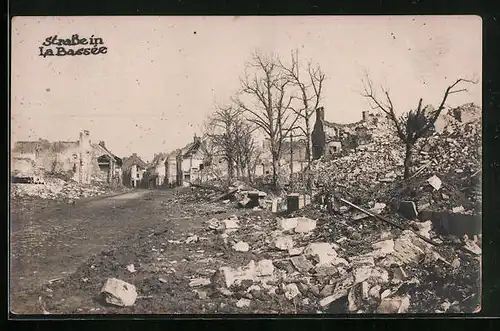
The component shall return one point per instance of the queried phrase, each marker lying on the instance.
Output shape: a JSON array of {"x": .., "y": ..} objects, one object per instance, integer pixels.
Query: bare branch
[
  {"x": 449, "y": 90},
  {"x": 457, "y": 91},
  {"x": 388, "y": 109}
]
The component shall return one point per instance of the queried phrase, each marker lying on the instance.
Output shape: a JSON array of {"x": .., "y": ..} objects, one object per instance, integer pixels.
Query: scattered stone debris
[
  {"x": 243, "y": 303},
  {"x": 199, "y": 282},
  {"x": 396, "y": 305},
  {"x": 241, "y": 246},
  {"x": 230, "y": 224},
  {"x": 192, "y": 239},
  {"x": 305, "y": 224},
  {"x": 301, "y": 263},
  {"x": 50, "y": 187},
  {"x": 295, "y": 251},
  {"x": 119, "y": 293},
  {"x": 291, "y": 291},
  {"x": 321, "y": 252},
  {"x": 287, "y": 224},
  {"x": 435, "y": 182},
  {"x": 131, "y": 268},
  {"x": 265, "y": 268},
  {"x": 284, "y": 243}
]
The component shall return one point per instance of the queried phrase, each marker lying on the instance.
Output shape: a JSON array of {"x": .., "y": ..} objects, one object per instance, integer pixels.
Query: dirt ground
[
  {"x": 49, "y": 240},
  {"x": 61, "y": 255}
]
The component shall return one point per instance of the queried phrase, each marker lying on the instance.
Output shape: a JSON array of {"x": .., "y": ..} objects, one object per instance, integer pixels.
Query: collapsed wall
[{"x": 67, "y": 169}]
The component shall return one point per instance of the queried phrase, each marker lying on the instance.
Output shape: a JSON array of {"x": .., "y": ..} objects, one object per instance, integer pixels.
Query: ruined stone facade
[
  {"x": 77, "y": 160},
  {"x": 84, "y": 172},
  {"x": 133, "y": 169},
  {"x": 190, "y": 163},
  {"x": 330, "y": 139}
]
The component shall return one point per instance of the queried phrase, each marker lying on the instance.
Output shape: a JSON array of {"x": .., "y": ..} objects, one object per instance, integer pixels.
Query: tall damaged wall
[
  {"x": 59, "y": 157},
  {"x": 70, "y": 158},
  {"x": 318, "y": 136}
]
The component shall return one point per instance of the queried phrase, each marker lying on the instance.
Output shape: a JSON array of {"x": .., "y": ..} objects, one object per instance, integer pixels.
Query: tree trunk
[
  {"x": 275, "y": 170},
  {"x": 238, "y": 168},
  {"x": 309, "y": 143},
  {"x": 230, "y": 171},
  {"x": 249, "y": 173},
  {"x": 407, "y": 162}
]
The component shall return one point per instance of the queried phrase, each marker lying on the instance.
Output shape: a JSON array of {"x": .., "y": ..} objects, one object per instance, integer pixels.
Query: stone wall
[{"x": 71, "y": 158}]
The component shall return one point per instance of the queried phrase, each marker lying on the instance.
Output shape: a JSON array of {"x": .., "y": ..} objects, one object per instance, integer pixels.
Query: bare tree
[
  {"x": 310, "y": 90},
  {"x": 222, "y": 130},
  {"x": 415, "y": 124},
  {"x": 245, "y": 147},
  {"x": 268, "y": 88}
]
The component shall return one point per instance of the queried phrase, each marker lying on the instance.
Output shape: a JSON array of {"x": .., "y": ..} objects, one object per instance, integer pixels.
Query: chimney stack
[
  {"x": 320, "y": 114},
  {"x": 365, "y": 115},
  {"x": 102, "y": 143}
]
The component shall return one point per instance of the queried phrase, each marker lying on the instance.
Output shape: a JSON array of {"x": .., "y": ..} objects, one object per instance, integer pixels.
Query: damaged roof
[
  {"x": 192, "y": 148},
  {"x": 157, "y": 159},
  {"x": 106, "y": 152},
  {"x": 134, "y": 159}
]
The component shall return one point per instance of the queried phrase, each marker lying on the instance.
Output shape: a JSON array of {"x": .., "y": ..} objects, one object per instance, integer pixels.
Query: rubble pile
[
  {"x": 455, "y": 194},
  {"x": 389, "y": 264},
  {"x": 204, "y": 194},
  {"x": 451, "y": 158},
  {"x": 53, "y": 188},
  {"x": 455, "y": 147},
  {"x": 365, "y": 169},
  {"x": 452, "y": 153}
]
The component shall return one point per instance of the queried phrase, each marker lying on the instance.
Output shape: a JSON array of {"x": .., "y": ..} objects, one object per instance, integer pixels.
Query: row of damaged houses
[
  {"x": 81, "y": 160},
  {"x": 181, "y": 167},
  {"x": 191, "y": 164},
  {"x": 85, "y": 161}
]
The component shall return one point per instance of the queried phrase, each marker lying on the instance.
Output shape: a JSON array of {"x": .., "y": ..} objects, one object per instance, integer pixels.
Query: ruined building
[
  {"x": 330, "y": 139},
  {"x": 191, "y": 163},
  {"x": 133, "y": 170},
  {"x": 79, "y": 160}
]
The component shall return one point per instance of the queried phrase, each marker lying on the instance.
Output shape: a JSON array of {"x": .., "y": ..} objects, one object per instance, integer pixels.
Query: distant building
[
  {"x": 157, "y": 171},
  {"x": 171, "y": 168},
  {"x": 133, "y": 170},
  {"x": 294, "y": 153},
  {"x": 190, "y": 163},
  {"x": 109, "y": 165}
]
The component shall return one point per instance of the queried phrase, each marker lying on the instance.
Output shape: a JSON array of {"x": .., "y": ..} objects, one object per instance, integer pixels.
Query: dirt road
[{"x": 52, "y": 242}]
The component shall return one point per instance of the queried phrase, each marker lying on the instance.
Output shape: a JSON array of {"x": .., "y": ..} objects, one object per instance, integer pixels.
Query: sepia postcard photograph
[{"x": 245, "y": 165}]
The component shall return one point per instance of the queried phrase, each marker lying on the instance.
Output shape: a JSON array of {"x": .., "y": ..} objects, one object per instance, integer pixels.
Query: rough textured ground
[
  {"x": 78, "y": 247},
  {"x": 50, "y": 240}
]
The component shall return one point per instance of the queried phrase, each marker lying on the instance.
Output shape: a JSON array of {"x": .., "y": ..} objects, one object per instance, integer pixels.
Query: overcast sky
[{"x": 160, "y": 78}]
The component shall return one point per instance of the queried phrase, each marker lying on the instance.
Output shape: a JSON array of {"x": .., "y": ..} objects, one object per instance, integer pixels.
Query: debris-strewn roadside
[
  {"x": 253, "y": 261},
  {"x": 54, "y": 188}
]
